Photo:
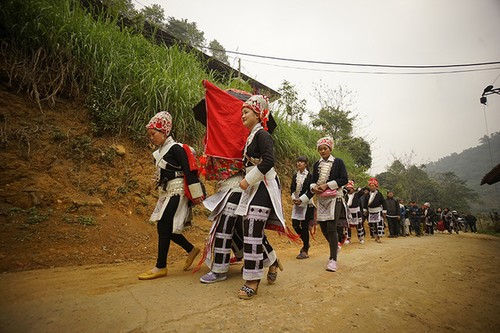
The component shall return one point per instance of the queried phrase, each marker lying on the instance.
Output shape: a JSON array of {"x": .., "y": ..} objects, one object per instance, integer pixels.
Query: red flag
[{"x": 226, "y": 135}]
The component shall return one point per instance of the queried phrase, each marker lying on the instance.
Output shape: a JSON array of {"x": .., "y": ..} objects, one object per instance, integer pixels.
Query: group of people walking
[{"x": 248, "y": 201}]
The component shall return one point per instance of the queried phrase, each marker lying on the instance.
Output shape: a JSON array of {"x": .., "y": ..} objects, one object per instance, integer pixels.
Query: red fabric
[
  {"x": 193, "y": 166},
  {"x": 441, "y": 226},
  {"x": 226, "y": 135}
]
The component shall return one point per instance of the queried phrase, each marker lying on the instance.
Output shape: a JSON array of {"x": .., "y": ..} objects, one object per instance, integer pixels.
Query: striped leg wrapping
[{"x": 253, "y": 249}]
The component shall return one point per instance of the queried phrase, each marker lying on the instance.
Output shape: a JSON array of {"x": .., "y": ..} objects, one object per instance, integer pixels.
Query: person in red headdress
[
  {"x": 376, "y": 210},
  {"x": 174, "y": 172},
  {"x": 260, "y": 203}
]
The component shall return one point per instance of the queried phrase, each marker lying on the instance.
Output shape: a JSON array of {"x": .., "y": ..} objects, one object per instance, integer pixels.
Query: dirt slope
[
  {"x": 70, "y": 198},
  {"x": 66, "y": 197}
]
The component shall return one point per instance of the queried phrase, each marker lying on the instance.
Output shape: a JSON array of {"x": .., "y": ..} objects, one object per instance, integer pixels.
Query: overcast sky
[{"x": 433, "y": 115}]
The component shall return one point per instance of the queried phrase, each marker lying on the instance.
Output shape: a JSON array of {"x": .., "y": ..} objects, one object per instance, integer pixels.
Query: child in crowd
[{"x": 303, "y": 206}]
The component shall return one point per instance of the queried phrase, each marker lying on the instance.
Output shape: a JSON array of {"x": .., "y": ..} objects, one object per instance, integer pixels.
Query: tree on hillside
[
  {"x": 120, "y": 7},
  {"x": 186, "y": 31},
  {"x": 334, "y": 117},
  {"x": 218, "y": 51},
  {"x": 289, "y": 105},
  {"x": 453, "y": 192},
  {"x": 471, "y": 165},
  {"x": 411, "y": 182},
  {"x": 154, "y": 15},
  {"x": 360, "y": 150}
]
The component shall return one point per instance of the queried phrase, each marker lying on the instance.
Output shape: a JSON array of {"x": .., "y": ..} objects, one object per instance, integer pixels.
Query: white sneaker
[
  {"x": 362, "y": 241},
  {"x": 332, "y": 266},
  {"x": 339, "y": 247},
  {"x": 212, "y": 277},
  {"x": 347, "y": 241}
]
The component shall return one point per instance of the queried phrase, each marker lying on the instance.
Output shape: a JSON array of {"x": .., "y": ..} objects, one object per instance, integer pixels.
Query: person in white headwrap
[
  {"x": 174, "y": 168},
  {"x": 428, "y": 216},
  {"x": 376, "y": 210},
  {"x": 260, "y": 203},
  {"x": 329, "y": 177},
  {"x": 353, "y": 203}
]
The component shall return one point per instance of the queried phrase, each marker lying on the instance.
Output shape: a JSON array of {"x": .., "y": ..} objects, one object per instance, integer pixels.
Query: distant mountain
[{"x": 471, "y": 165}]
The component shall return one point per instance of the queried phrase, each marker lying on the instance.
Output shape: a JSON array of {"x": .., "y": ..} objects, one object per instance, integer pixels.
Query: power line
[
  {"x": 375, "y": 72},
  {"x": 359, "y": 64},
  {"x": 143, "y": 5},
  {"x": 496, "y": 78}
]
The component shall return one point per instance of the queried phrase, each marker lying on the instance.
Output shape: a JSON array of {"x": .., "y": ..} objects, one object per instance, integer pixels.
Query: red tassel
[
  {"x": 286, "y": 231},
  {"x": 208, "y": 247}
]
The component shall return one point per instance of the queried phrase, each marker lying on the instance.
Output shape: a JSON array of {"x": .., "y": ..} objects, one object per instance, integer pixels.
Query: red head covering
[
  {"x": 327, "y": 141},
  {"x": 162, "y": 121},
  {"x": 260, "y": 105},
  {"x": 373, "y": 181},
  {"x": 350, "y": 184}
]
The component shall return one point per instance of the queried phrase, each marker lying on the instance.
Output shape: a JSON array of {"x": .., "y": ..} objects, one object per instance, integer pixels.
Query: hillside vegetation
[
  {"x": 75, "y": 94},
  {"x": 471, "y": 165},
  {"x": 57, "y": 48}
]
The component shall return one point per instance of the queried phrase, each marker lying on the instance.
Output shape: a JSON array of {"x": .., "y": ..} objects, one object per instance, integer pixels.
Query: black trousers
[
  {"x": 329, "y": 229},
  {"x": 393, "y": 226},
  {"x": 165, "y": 235},
  {"x": 302, "y": 229}
]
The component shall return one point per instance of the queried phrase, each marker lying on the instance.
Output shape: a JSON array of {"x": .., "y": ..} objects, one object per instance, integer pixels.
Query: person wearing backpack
[{"x": 178, "y": 186}]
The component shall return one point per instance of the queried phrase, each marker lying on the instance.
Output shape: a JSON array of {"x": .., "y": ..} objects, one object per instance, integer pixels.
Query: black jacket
[
  {"x": 305, "y": 186},
  {"x": 337, "y": 173}
]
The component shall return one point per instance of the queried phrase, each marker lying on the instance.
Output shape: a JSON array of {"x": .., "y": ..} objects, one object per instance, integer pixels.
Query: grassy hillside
[
  {"x": 54, "y": 48},
  {"x": 471, "y": 165}
]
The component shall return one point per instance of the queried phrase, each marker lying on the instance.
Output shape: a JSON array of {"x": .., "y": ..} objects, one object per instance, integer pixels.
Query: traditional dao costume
[
  {"x": 260, "y": 203},
  {"x": 376, "y": 210},
  {"x": 331, "y": 206},
  {"x": 353, "y": 202},
  {"x": 176, "y": 178},
  {"x": 303, "y": 214}
]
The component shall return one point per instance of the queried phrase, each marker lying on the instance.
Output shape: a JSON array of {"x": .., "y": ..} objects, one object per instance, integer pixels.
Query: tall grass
[
  {"x": 125, "y": 77},
  {"x": 56, "y": 47}
]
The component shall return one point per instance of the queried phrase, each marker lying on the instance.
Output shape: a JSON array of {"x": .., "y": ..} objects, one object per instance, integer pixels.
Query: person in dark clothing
[
  {"x": 260, "y": 204},
  {"x": 329, "y": 178},
  {"x": 471, "y": 222},
  {"x": 303, "y": 206},
  {"x": 363, "y": 205},
  {"x": 353, "y": 203},
  {"x": 376, "y": 210},
  {"x": 415, "y": 213},
  {"x": 174, "y": 169},
  {"x": 428, "y": 217},
  {"x": 404, "y": 222},
  {"x": 393, "y": 215}
]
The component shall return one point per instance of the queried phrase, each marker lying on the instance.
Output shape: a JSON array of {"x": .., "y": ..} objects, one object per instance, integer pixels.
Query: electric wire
[
  {"x": 373, "y": 72},
  {"x": 359, "y": 64}
]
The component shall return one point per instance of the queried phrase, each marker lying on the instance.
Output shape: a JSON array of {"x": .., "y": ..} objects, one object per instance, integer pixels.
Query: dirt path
[{"x": 430, "y": 284}]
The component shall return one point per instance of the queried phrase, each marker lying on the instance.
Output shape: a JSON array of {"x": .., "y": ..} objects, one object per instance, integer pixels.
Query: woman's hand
[
  {"x": 244, "y": 184},
  {"x": 297, "y": 202},
  {"x": 320, "y": 188},
  {"x": 198, "y": 200}
]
